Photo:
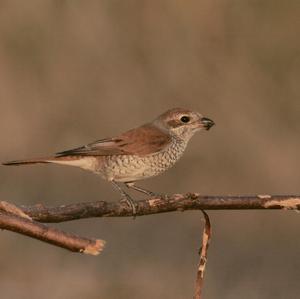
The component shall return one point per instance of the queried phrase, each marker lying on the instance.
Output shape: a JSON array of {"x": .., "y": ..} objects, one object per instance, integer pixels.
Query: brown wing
[{"x": 140, "y": 141}]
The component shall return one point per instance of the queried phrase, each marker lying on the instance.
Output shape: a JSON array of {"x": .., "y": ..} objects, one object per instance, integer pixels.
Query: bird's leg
[
  {"x": 134, "y": 187},
  {"x": 125, "y": 197}
]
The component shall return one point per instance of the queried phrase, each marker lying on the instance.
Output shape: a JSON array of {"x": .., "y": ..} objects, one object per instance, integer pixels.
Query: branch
[
  {"x": 162, "y": 204},
  {"x": 206, "y": 236},
  {"x": 25, "y": 219},
  {"x": 13, "y": 219}
]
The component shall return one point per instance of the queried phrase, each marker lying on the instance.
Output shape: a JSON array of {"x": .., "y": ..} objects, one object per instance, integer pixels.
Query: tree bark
[{"x": 163, "y": 204}]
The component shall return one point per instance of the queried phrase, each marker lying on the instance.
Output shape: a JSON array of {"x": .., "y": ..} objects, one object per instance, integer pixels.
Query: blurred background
[{"x": 72, "y": 72}]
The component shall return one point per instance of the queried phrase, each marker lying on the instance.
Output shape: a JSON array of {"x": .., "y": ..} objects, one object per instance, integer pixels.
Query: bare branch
[
  {"x": 25, "y": 219},
  {"x": 163, "y": 204},
  {"x": 206, "y": 236},
  {"x": 10, "y": 208},
  {"x": 36, "y": 230}
]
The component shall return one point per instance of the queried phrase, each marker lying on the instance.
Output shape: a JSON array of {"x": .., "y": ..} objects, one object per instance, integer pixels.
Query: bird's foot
[
  {"x": 130, "y": 202},
  {"x": 125, "y": 198}
]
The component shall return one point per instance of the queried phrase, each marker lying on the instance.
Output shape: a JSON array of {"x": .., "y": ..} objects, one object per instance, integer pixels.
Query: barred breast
[{"x": 126, "y": 168}]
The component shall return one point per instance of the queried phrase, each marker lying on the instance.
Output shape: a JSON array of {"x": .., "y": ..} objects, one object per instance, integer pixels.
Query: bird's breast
[{"x": 125, "y": 168}]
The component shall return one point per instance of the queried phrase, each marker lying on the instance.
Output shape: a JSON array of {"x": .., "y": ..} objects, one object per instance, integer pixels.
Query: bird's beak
[{"x": 206, "y": 123}]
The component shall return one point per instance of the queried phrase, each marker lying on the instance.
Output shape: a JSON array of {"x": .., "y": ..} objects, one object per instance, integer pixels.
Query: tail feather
[
  {"x": 28, "y": 161},
  {"x": 79, "y": 161}
]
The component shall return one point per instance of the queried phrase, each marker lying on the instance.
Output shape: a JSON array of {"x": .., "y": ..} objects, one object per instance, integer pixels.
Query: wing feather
[{"x": 141, "y": 141}]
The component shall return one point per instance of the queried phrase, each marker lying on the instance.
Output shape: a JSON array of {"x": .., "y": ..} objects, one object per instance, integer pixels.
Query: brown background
[{"x": 72, "y": 72}]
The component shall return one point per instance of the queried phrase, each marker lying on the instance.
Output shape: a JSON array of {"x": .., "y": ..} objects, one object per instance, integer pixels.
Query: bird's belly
[{"x": 126, "y": 168}]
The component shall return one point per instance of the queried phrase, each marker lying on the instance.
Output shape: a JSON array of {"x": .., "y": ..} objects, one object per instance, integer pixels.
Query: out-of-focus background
[{"x": 72, "y": 72}]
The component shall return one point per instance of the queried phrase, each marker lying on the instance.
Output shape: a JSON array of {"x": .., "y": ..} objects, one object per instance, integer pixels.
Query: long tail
[
  {"x": 87, "y": 163},
  {"x": 30, "y": 161}
]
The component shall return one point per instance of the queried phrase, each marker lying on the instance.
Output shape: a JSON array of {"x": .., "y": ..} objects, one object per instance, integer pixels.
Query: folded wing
[{"x": 141, "y": 141}]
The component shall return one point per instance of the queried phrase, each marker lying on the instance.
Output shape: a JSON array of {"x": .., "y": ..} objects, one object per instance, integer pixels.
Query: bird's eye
[{"x": 185, "y": 119}]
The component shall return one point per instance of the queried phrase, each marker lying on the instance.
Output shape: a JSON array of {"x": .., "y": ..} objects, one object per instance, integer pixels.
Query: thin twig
[{"x": 206, "y": 236}]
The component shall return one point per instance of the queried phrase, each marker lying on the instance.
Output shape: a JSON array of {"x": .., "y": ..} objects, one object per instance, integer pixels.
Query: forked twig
[{"x": 26, "y": 219}]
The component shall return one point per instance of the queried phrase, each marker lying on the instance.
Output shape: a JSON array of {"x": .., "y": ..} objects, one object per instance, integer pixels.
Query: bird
[{"x": 134, "y": 155}]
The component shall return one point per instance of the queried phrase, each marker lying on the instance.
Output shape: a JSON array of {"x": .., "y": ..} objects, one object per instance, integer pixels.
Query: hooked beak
[{"x": 207, "y": 123}]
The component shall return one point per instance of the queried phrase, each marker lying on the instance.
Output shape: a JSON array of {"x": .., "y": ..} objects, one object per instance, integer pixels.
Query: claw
[{"x": 126, "y": 198}]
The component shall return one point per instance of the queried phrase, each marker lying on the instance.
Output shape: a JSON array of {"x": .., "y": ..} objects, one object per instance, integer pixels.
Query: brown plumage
[{"x": 141, "y": 141}]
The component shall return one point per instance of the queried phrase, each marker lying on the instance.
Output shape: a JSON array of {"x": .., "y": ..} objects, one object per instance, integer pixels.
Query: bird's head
[{"x": 182, "y": 123}]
